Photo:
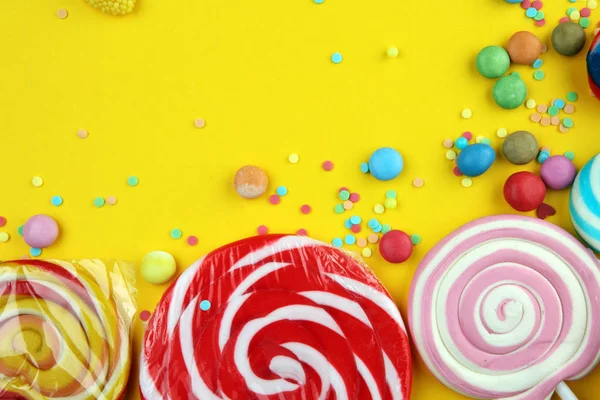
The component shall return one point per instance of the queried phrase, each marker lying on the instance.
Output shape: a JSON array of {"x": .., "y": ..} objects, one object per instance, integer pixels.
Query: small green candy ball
[
  {"x": 509, "y": 92},
  {"x": 492, "y": 62},
  {"x": 158, "y": 267}
]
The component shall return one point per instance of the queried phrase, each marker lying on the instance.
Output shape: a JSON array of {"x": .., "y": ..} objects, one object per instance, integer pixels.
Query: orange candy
[{"x": 524, "y": 47}]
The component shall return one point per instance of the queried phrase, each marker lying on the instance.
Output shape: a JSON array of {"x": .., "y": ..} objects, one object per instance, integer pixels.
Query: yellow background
[{"x": 259, "y": 73}]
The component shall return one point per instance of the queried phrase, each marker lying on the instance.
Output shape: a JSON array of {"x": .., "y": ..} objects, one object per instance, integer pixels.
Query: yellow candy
[
  {"x": 391, "y": 203},
  {"x": 114, "y": 7},
  {"x": 158, "y": 267}
]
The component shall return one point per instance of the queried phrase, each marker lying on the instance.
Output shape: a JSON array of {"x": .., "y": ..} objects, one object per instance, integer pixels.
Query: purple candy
[
  {"x": 40, "y": 231},
  {"x": 558, "y": 172}
]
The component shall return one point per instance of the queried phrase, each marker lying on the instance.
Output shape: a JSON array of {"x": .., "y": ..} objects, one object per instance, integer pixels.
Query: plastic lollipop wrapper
[
  {"x": 65, "y": 329},
  {"x": 593, "y": 66},
  {"x": 507, "y": 307},
  {"x": 276, "y": 317}
]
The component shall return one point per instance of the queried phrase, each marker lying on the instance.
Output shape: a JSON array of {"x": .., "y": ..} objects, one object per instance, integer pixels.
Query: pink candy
[{"x": 40, "y": 231}]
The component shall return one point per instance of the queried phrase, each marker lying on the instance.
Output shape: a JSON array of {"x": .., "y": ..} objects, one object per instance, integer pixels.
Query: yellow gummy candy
[{"x": 114, "y": 7}]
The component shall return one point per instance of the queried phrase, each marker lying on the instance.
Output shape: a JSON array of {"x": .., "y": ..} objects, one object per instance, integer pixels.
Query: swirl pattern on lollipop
[
  {"x": 65, "y": 333},
  {"x": 289, "y": 318},
  {"x": 584, "y": 203},
  {"x": 507, "y": 307}
]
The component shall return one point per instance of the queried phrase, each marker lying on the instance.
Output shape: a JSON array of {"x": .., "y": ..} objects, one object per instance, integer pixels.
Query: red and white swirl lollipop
[
  {"x": 507, "y": 307},
  {"x": 276, "y": 317}
]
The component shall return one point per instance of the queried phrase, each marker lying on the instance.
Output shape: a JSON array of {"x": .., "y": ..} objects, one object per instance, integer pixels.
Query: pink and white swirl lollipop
[
  {"x": 274, "y": 318},
  {"x": 507, "y": 307}
]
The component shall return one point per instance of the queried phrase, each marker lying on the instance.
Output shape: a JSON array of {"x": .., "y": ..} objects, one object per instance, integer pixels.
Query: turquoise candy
[{"x": 475, "y": 159}]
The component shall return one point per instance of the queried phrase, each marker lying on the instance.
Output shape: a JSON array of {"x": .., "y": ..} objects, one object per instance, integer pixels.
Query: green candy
[
  {"x": 492, "y": 62},
  {"x": 509, "y": 92}
]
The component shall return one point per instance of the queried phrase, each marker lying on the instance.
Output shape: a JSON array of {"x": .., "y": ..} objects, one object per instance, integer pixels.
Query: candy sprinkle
[
  {"x": 466, "y": 182},
  {"x": 56, "y": 201},
  {"x": 355, "y": 228},
  {"x": 262, "y": 230},
  {"x": 336, "y": 58},
  {"x": 537, "y": 63},
  {"x": 530, "y": 103},
  {"x": 364, "y": 167},
  {"x": 355, "y": 219},
  {"x": 2, "y": 221},
  {"x": 361, "y": 242},
  {"x": 373, "y": 238},
  {"x": 344, "y": 195},
  {"x": 418, "y": 182},
  {"x": 572, "y": 96},
  {"x": 542, "y": 108},
  {"x": 293, "y": 158},
  {"x": 570, "y": 155},
  {"x": 199, "y": 123},
  {"x": 392, "y": 52},
  {"x": 274, "y": 199},
  {"x": 99, "y": 202},
  {"x": 466, "y": 113},
  {"x": 450, "y": 155},
  {"x": 82, "y": 134},
  {"x": 348, "y": 205},
  {"x": 535, "y": 117},
  {"x": 111, "y": 200},
  {"x": 391, "y": 194},
  {"x": 192, "y": 240},
  {"x": 539, "y": 75},
  {"x": 456, "y": 171},
  {"x": 4, "y": 237},
  {"x": 62, "y": 13},
  {"x": 339, "y": 208},
  {"x": 133, "y": 181},
  {"x": 176, "y": 233},
  {"x": 569, "y": 109},
  {"x": 415, "y": 239},
  {"x": 502, "y": 132},
  {"x": 302, "y": 232},
  {"x": 205, "y": 305},
  {"x": 468, "y": 135},
  {"x": 378, "y": 208},
  {"x": 281, "y": 191},
  {"x": 385, "y": 228},
  {"x": 337, "y": 242},
  {"x": 390, "y": 204},
  {"x": 448, "y": 143},
  {"x": 567, "y": 122},
  {"x": 555, "y": 121},
  {"x": 327, "y": 165},
  {"x": 367, "y": 252},
  {"x": 354, "y": 197},
  {"x": 37, "y": 181},
  {"x": 350, "y": 239},
  {"x": 20, "y": 230},
  {"x": 305, "y": 209},
  {"x": 145, "y": 315},
  {"x": 35, "y": 252}
]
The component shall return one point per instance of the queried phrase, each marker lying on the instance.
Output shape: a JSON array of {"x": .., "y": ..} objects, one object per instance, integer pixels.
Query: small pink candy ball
[
  {"x": 40, "y": 231},
  {"x": 558, "y": 172}
]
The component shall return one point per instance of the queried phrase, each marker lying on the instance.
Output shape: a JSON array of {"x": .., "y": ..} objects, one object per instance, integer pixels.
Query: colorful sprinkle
[
  {"x": 385, "y": 228},
  {"x": 486, "y": 141},
  {"x": 344, "y": 195},
  {"x": 327, "y": 165},
  {"x": 293, "y": 158},
  {"x": 391, "y": 194},
  {"x": 37, "y": 181},
  {"x": 133, "y": 181},
  {"x": 378, "y": 209},
  {"x": 348, "y": 205},
  {"x": 336, "y": 58},
  {"x": 568, "y": 122},
  {"x": 456, "y": 171},
  {"x": 572, "y": 96},
  {"x": 4, "y": 237},
  {"x": 543, "y": 157},
  {"x": 56, "y": 201},
  {"x": 354, "y": 197},
  {"x": 502, "y": 132},
  {"x": 535, "y": 117},
  {"x": 262, "y": 230},
  {"x": 418, "y": 182},
  {"x": 461, "y": 143},
  {"x": 2, "y": 221},
  {"x": 569, "y": 109},
  {"x": 467, "y": 135},
  {"x": 539, "y": 75},
  {"x": 145, "y": 315},
  {"x": 339, "y": 208},
  {"x": 367, "y": 252},
  {"x": 466, "y": 182},
  {"x": 99, "y": 202},
  {"x": 302, "y": 232},
  {"x": 82, "y": 134},
  {"x": 20, "y": 230},
  {"x": 62, "y": 13},
  {"x": 111, "y": 200},
  {"x": 537, "y": 63},
  {"x": 560, "y": 103},
  {"x": 35, "y": 252},
  {"x": 585, "y": 22},
  {"x": 355, "y": 219},
  {"x": 281, "y": 191},
  {"x": 392, "y": 52},
  {"x": 373, "y": 222},
  {"x": 539, "y": 17},
  {"x": 542, "y": 108},
  {"x": 364, "y": 167},
  {"x": 415, "y": 239},
  {"x": 450, "y": 155},
  {"x": 553, "y": 110},
  {"x": 337, "y": 242},
  {"x": 305, "y": 209},
  {"x": 361, "y": 242},
  {"x": 390, "y": 204},
  {"x": 199, "y": 123},
  {"x": 205, "y": 305},
  {"x": 466, "y": 113},
  {"x": 350, "y": 239},
  {"x": 555, "y": 120},
  {"x": 570, "y": 155},
  {"x": 192, "y": 240},
  {"x": 348, "y": 224},
  {"x": 373, "y": 238},
  {"x": 530, "y": 103},
  {"x": 448, "y": 143},
  {"x": 479, "y": 139},
  {"x": 531, "y": 12},
  {"x": 176, "y": 233},
  {"x": 545, "y": 121},
  {"x": 274, "y": 199},
  {"x": 355, "y": 228}
]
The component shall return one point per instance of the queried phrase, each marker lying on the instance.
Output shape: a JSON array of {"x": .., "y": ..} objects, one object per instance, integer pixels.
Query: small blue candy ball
[
  {"x": 461, "y": 143},
  {"x": 385, "y": 164},
  {"x": 475, "y": 159}
]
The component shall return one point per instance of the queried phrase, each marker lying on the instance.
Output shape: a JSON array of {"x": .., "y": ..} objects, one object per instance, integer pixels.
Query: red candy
[
  {"x": 524, "y": 191},
  {"x": 276, "y": 318},
  {"x": 395, "y": 246}
]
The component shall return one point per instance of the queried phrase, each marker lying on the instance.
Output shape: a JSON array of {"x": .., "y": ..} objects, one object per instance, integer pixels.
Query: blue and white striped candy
[{"x": 584, "y": 204}]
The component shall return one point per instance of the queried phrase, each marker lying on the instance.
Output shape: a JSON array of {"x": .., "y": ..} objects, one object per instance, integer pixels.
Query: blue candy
[
  {"x": 461, "y": 143},
  {"x": 385, "y": 164},
  {"x": 475, "y": 159},
  {"x": 584, "y": 204}
]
